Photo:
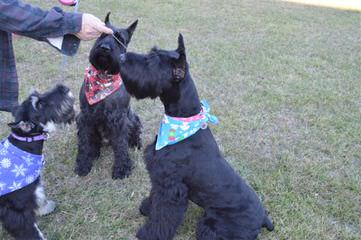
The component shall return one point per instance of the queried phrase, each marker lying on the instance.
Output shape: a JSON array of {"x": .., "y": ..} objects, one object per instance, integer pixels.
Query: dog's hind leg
[
  {"x": 168, "y": 206},
  {"x": 206, "y": 229},
  {"x": 135, "y": 130},
  {"x": 21, "y": 224},
  {"x": 89, "y": 143}
]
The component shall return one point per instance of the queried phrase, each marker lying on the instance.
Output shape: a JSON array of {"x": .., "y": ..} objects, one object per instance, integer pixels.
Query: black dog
[
  {"x": 192, "y": 169},
  {"x": 107, "y": 118},
  {"x": 22, "y": 195}
]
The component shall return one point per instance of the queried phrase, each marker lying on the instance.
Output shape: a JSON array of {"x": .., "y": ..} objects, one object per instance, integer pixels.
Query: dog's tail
[{"x": 267, "y": 223}]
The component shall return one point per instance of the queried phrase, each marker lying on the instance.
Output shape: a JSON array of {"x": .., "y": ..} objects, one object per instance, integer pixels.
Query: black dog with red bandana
[{"x": 105, "y": 106}]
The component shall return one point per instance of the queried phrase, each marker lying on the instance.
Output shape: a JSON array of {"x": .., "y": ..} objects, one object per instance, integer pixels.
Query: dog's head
[
  {"x": 156, "y": 73},
  {"x": 106, "y": 52},
  {"x": 40, "y": 112}
]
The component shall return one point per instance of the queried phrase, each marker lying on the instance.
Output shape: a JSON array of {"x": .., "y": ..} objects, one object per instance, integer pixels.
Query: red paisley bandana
[{"x": 99, "y": 85}]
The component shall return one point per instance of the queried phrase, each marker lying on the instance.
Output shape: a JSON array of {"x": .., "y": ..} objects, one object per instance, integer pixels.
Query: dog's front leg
[
  {"x": 45, "y": 206},
  {"x": 168, "y": 206},
  {"x": 119, "y": 140},
  {"x": 89, "y": 143},
  {"x": 135, "y": 130},
  {"x": 146, "y": 206},
  {"x": 122, "y": 163}
]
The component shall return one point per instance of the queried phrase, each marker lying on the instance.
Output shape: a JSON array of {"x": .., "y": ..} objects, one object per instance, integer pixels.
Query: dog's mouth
[
  {"x": 105, "y": 60},
  {"x": 101, "y": 60},
  {"x": 102, "y": 63}
]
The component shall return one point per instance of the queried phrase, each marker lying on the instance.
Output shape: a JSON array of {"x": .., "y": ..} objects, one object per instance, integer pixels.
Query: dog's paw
[
  {"x": 139, "y": 144},
  {"x": 46, "y": 209},
  {"x": 135, "y": 143},
  {"x": 121, "y": 173},
  {"x": 143, "y": 233},
  {"x": 82, "y": 170},
  {"x": 145, "y": 207}
]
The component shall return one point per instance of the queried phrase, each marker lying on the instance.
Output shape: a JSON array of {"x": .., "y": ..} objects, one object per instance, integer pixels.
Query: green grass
[{"x": 284, "y": 80}]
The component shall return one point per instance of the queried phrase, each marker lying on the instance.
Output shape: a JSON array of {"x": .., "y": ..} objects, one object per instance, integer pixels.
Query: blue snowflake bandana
[
  {"x": 17, "y": 167},
  {"x": 175, "y": 129}
]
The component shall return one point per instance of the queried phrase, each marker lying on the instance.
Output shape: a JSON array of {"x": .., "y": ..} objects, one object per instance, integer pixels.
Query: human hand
[{"x": 92, "y": 27}]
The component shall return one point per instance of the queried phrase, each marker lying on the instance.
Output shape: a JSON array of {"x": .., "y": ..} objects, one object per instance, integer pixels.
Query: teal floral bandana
[{"x": 175, "y": 129}]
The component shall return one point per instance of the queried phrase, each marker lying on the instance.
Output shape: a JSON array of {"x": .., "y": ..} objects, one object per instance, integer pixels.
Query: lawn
[{"x": 284, "y": 80}]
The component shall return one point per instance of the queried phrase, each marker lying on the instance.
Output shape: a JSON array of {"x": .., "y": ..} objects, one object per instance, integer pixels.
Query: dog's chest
[{"x": 17, "y": 168}]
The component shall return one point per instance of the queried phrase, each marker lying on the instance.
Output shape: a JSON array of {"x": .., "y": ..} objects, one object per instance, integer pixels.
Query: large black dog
[
  {"x": 192, "y": 169},
  {"x": 109, "y": 119},
  {"x": 22, "y": 195}
]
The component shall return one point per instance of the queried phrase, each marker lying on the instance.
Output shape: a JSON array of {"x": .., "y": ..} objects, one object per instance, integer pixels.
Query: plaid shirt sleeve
[{"x": 33, "y": 22}]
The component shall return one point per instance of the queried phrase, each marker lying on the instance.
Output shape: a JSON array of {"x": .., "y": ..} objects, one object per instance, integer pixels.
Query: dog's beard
[{"x": 104, "y": 61}]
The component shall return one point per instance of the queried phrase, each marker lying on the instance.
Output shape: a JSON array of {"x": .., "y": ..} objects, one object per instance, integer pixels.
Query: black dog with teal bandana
[{"x": 193, "y": 167}]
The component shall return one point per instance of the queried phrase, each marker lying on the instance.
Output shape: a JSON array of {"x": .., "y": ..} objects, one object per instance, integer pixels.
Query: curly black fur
[
  {"x": 111, "y": 119},
  {"x": 193, "y": 169}
]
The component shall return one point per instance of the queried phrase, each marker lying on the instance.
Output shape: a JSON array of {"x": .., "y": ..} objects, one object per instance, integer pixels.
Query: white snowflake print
[
  {"x": 28, "y": 159},
  {"x": 37, "y": 172},
  {"x": 5, "y": 163},
  {"x": 19, "y": 170},
  {"x": 29, "y": 179},
  {"x": 3, "y": 151},
  {"x": 6, "y": 144},
  {"x": 15, "y": 186},
  {"x": 2, "y": 186}
]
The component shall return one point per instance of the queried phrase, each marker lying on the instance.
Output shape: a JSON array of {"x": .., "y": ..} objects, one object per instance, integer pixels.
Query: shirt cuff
[
  {"x": 73, "y": 23},
  {"x": 67, "y": 45}
]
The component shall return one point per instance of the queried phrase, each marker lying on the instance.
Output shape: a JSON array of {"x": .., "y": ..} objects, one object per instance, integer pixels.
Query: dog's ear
[
  {"x": 179, "y": 70},
  {"x": 106, "y": 21},
  {"x": 181, "y": 48},
  {"x": 131, "y": 29},
  {"x": 23, "y": 126},
  {"x": 14, "y": 110}
]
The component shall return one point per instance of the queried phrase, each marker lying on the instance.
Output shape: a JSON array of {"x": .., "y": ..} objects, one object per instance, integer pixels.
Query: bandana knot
[
  {"x": 176, "y": 129},
  {"x": 99, "y": 85}
]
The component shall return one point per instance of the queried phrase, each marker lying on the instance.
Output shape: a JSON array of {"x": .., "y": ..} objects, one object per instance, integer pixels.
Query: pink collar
[{"x": 41, "y": 137}]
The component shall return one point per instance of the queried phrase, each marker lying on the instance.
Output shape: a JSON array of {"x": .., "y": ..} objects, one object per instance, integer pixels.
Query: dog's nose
[{"x": 105, "y": 46}]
